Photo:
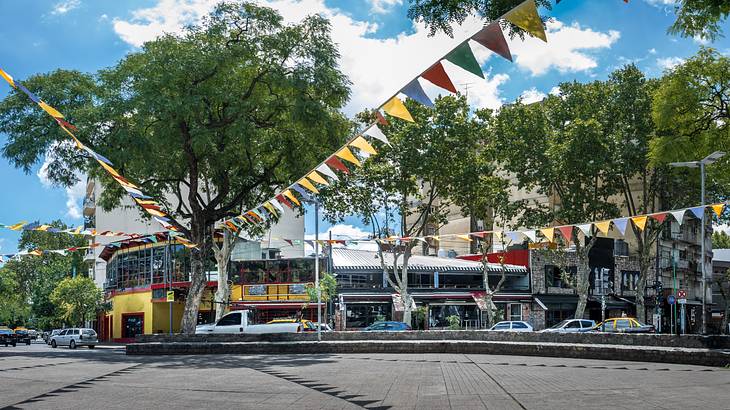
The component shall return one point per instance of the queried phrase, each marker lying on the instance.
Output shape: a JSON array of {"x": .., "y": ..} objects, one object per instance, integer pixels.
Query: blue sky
[{"x": 381, "y": 50}]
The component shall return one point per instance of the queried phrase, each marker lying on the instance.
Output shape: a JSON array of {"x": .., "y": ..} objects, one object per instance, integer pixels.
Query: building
[{"x": 720, "y": 266}]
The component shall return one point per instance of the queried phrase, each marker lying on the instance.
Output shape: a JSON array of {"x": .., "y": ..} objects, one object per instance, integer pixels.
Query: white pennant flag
[
  {"x": 586, "y": 229},
  {"x": 531, "y": 235},
  {"x": 277, "y": 205},
  {"x": 515, "y": 236},
  {"x": 375, "y": 132},
  {"x": 679, "y": 215},
  {"x": 324, "y": 169}
]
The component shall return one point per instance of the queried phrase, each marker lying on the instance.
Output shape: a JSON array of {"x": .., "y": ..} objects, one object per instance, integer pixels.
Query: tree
[
  {"x": 416, "y": 174},
  {"x": 700, "y": 18},
  {"x": 723, "y": 286},
  {"x": 210, "y": 122},
  {"x": 222, "y": 253},
  {"x": 14, "y": 309},
  {"x": 720, "y": 240},
  {"x": 440, "y": 15},
  {"x": 78, "y": 298}
]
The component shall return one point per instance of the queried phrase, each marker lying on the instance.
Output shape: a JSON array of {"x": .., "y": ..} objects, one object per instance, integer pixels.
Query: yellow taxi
[
  {"x": 623, "y": 325},
  {"x": 307, "y": 325}
]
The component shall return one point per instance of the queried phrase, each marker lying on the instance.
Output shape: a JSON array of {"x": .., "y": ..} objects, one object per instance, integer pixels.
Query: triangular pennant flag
[
  {"x": 50, "y": 110},
  {"x": 620, "y": 224},
  {"x": 492, "y": 38},
  {"x": 515, "y": 237},
  {"x": 549, "y": 233},
  {"x": 17, "y": 226},
  {"x": 306, "y": 196},
  {"x": 346, "y": 154},
  {"x": 659, "y": 217},
  {"x": 335, "y": 163},
  {"x": 396, "y": 108},
  {"x": 679, "y": 215},
  {"x": 437, "y": 75},
  {"x": 531, "y": 235},
  {"x": 525, "y": 17},
  {"x": 479, "y": 234},
  {"x": 277, "y": 205},
  {"x": 464, "y": 58},
  {"x": 603, "y": 226},
  {"x": 464, "y": 238},
  {"x": 718, "y": 209},
  {"x": 376, "y": 133},
  {"x": 7, "y": 77},
  {"x": 379, "y": 117},
  {"x": 291, "y": 197},
  {"x": 640, "y": 221},
  {"x": 567, "y": 232},
  {"x": 314, "y": 176},
  {"x": 698, "y": 211},
  {"x": 306, "y": 184},
  {"x": 324, "y": 169},
  {"x": 363, "y": 145},
  {"x": 270, "y": 208},
  {"x": 587, "y": 229},
  {"x": 415, "y": 92}
]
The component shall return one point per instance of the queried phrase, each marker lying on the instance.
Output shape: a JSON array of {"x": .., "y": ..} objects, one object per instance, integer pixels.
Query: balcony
[{"x": 89, "y": 255}]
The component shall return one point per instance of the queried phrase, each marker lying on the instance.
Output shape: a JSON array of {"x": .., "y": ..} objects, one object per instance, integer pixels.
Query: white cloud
[
  {"x": 659, "y": 3},
  {"x": 652, "y": 51},
  {"x": 567, "y": 49},
  {"x": 74, "y": 194},
  {"x": 701, "y": 40},
  {"x": 344, "y": 232},
  {"x": 669, "y": 63},
  {"x": 555, "y": 90},
  {"x": 532, "y": 95},
  {"x": 63, "y": 7},
  {"x": 383, "y": 6}
]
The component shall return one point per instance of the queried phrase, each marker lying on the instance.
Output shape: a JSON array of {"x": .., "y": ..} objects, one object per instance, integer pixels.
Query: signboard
[
  {"x": 682, "y": 301},
  {"x": 170, "y": 295},
  {"x": 257, "y": 290},
  {"x": 681, "y": 294},
  {"x": 298, "y": 289},
  {"x": 671, "y": 299}
]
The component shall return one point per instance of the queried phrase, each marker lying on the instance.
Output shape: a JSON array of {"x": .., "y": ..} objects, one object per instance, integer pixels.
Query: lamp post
[{"x": 701, "y": 165}]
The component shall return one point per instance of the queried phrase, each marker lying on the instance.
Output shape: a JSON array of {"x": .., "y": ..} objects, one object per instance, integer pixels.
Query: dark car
[
  {"x": 387, "y": 327},
  {"x": 22, "y": 336},
  {"x": 7, "y": 337},
  {"x": 623, "y": 325}
]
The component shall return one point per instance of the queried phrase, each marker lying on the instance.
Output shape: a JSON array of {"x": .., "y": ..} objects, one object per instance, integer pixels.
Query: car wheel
[
  {"x": 27, "y": 342},
  {"x": 14, "y": 343},
  {"x": 72, "y": 345},
  {"x": 53, "y": 344},
  {"x": 91, "y": 346}
]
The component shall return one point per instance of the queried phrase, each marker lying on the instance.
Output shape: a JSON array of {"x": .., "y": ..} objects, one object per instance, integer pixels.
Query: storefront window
[
  {"x": 360, "y": 315},
  {"x": 557, "y": 312},
  {"x": 515, "y": 311},
  {"x": 439, "y": 314},
  {"x": 554, "y": 277}
]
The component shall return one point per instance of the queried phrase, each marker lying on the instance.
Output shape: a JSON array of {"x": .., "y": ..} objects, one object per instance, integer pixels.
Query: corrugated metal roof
[{"x": 355, "y": 259}]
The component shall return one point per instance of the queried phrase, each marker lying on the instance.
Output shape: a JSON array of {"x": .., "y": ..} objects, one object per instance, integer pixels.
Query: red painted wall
[{"x": 514, "y": 257}]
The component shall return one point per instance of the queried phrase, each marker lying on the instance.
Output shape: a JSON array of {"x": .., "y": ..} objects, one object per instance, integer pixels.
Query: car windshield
[{"x": 560, "y": 325}]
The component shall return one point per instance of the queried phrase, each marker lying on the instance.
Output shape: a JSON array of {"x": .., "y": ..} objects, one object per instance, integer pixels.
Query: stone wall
[{"x": 538, "y": 260}]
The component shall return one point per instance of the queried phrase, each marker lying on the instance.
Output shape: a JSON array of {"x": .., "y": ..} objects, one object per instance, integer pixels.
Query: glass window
[
  {"x": 76, "y": 331},
  {"x": 360, "y": 315},
  {"x": 88, "y": 332},
  {"x": 63, "y": 332},
  {"x": 587, "y": 323},
  {"x": 608, "y": 326},
  {"x": 554, "y": 277},
  {"x": 515, "y": 311},
  {"x": 518, "y": 325},
  {"x": 231, "y": 319},
  {"x": 501, "y": 326},
  {"x": 378, "y": 326},
  {"x": 573, "y": 324},
  {"x": 623, "y": 324}
]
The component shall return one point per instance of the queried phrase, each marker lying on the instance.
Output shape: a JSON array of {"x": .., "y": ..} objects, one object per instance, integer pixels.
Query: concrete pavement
[{"x": 40, "y": 377}]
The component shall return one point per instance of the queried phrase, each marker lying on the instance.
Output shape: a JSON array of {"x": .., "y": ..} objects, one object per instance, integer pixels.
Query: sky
[{"x": 381, "y": 49}]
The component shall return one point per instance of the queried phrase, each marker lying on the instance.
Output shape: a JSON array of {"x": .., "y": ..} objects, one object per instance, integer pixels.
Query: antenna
[{"x": 466, "y": 88}]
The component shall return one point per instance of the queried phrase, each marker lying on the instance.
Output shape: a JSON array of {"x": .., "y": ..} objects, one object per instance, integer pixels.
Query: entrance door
[{"x": 132, "y": 324}]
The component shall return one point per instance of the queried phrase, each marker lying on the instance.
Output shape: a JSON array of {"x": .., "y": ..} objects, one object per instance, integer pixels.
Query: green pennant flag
[{"x": 464, "y": 58}]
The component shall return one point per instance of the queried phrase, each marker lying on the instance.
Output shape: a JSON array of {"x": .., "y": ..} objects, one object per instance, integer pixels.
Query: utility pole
[{"x": 316, "y": 271}]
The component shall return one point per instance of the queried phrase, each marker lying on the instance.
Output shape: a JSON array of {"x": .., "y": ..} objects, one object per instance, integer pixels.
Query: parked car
[
  {"x": 623, "y": 325},
  {"x": 387, "y": 327},
  {"x": 74, "y": 337},
  {"x": 571, "y": 326},
  {"x": 512, "y": 326},
  {"x": 48, "y": 335},
  {"x": 7, "y": 337},
  {"x": 22, "y": 335},
  {"x": 33, "y": 334},
  {"x": 238, "y": 323},
  {"x": 325, "y": 327}
]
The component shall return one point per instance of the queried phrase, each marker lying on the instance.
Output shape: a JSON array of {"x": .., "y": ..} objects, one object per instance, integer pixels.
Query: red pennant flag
[
  {"x": 479, "y": 234},
  {"x": 284, "y": 201},
  {"x": 381, "y": 119},
  {"x": 289, "y": 242},
  {"x": 66, "y": 124},
  {"x": 335, "y": 163},
  {"x": 492, "y": 38},
  {"x": 660, "y": 217},
  {"x": 437, "y": 75},
  {"x": 567, "y": 232}
]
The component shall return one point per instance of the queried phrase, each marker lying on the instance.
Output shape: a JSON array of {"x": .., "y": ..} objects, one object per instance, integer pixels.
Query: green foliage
[
  {"x": 454, "y": 322},
  {"x": 700, "y": 18},
  {"x": 440, "y": 15},
  {"x": 14, "y": 310},
  {"x": 720, "y": 240},
  {"x": 78, "y": 299},
  {"x": 419, "y": 317},
  {"x": 327, "y": 286}
]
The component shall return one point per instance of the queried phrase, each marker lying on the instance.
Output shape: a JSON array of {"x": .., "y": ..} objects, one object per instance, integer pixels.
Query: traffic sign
[
  {"x": 671, "y": 299},
  {"x": 682, "y": 301},
  {"x": 682, "y": 294},
  {"x": 170, "y": 295}
]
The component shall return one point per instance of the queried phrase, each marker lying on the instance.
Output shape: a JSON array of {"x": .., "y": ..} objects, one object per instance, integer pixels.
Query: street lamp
[{"x": 701, "y": 164}]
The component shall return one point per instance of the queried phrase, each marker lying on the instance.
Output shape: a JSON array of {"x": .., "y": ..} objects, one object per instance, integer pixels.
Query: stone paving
[{"x": 40, "y": 377}]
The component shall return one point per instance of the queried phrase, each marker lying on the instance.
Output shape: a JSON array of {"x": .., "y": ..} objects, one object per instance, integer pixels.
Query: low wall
[
  {"x": 704, "y": 357},
  {"x": 663, "y": 340}
]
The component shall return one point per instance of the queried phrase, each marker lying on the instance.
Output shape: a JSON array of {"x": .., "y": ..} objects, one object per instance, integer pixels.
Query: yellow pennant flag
[
  {"x": 549, "y": 233},
  {"x": 291, "y": 197},
  {"x": 525, "y": 17},
  {"x": 603, "y": 226},
  {"x": 363, "y": 145},
  {"x": 346, "y": 154},
  {"x": 640, "y": 221},
  {"x": 50, "y": 110},
  {"x": 17, "y": 226},
  {"x": 43, "y": 228},
  {"x": 464, "y": 237},
  {"x": 7, "y": 78},
  {"x": 396, "y": 108},
  {"x": 306, "y": 184},
  {"x": 718, "y": 208},
  {"x": 314, "y": 176},
  {"x": 270, "y": 208}
]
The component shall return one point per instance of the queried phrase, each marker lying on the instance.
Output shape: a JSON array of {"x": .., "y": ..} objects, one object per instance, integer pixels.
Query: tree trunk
[
  {"x": 223, "y": 257},
  {"x": 582, "y": 277},
  {"x": 580, "y": 308},
  {"x": 407, "y": 301},
  {"x": 198, "y": 281},
  {"x": 488, "y": 301}
]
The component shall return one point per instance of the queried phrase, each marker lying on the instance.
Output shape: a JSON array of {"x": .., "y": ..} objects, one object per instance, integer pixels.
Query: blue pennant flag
[{"x": 415, "y": 92}]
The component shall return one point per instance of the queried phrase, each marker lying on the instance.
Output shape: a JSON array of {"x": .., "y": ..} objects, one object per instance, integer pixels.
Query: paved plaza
[{"x": 38, "y": 377}]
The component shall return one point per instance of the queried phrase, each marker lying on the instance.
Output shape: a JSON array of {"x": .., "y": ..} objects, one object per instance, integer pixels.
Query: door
[
  {"x": 61, "y": 337},
  {"x": 132, "y": 325},
  {"x": 230, "y": 323}
]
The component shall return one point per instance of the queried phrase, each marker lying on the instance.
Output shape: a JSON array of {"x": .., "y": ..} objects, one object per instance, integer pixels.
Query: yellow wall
[
  {"x": 161, "y": 317},
  {"x": 140, "y": 302}
]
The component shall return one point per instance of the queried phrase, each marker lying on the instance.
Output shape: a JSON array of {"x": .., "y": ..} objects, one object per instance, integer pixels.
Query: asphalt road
[{"x": 38, "y": 377}]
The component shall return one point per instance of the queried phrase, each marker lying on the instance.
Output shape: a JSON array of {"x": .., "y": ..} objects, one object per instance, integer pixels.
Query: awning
[{"x": 542, "y": 305}]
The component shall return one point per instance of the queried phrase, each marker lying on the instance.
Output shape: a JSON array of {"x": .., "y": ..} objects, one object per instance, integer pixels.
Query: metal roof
[{"x": 344, "y": 259}]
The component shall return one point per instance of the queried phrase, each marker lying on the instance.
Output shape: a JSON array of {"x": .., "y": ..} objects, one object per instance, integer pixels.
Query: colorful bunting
[
  {"x": 314, "y": 176},
  {"x": 640, "y": 221},
  {"x": 291, "y": 197},
  {"x": 603, "y": 226},
  {"x": 396, "y": 108},
  {"x": 464, "y": 238},
  {"x": 491, "y": 37},
  {"x": 567, "y": 232},
  {"x": 620, "y": 224},
  {"x": 346, "y": 154},
  {"x": 515, "y": 237},
  {"x": 525, "y": 16},
  {"x": 587, "y": 229},
  {"x": 698, "y": 211},
  {"x": 679, "y": 215},
  {"x": 376, "y": 133},
  {"x": 463, "y": 57},
  {"x": 363, "y": 145},
  {"x": 531, "y": 235},
  {"x": 335, "y": 163},
  {"x": 415, "y": 92},
  {"x": 380, "y": 119},
  {"x": 324, "y": 169},
  {"x": 718, "y": 209},
  {"x": 660, "y": 216},
  {"x": 7, "y": 78},
  {"x": 437, "y": 75},
  {"x": 548, "y": 233},
  {"x": 306, "y": 184}
]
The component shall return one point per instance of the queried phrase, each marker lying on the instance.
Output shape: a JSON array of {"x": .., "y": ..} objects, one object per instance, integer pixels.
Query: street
[{"x": 37, "y": 376}]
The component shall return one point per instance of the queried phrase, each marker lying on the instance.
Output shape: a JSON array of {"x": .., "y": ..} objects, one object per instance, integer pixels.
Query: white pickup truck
[{"x": 237, "y": 323}]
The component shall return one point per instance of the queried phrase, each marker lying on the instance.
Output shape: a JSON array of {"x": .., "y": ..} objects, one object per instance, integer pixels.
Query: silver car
[
  {"x": 74, "y": 337},
  {"x": 571, "y": 326}
]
